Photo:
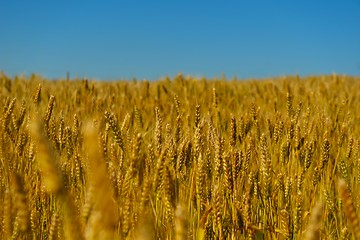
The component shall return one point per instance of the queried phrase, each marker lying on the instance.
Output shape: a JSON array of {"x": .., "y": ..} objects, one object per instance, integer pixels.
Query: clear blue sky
[{"x": 152, "y": 39}]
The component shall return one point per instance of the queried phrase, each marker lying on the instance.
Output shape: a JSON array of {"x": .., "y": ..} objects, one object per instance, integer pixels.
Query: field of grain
[{"x": 180, "y": 158}]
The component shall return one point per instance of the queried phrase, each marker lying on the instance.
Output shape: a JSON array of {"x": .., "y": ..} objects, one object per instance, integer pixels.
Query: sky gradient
[{"x": 151, "y": 39}]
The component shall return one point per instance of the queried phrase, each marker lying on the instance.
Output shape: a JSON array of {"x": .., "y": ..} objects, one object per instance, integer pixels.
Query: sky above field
[{"x": 152, "y": 39}]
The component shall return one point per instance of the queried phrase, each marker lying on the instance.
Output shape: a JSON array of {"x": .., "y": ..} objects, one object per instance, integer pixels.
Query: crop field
[{"x": 180, "y": 158}]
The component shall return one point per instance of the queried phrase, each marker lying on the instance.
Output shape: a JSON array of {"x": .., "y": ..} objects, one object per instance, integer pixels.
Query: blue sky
[{"x": 152, "y": 39}]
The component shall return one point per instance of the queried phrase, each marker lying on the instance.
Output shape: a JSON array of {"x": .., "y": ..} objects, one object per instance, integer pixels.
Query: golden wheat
[{"x": 180, "y": 158}]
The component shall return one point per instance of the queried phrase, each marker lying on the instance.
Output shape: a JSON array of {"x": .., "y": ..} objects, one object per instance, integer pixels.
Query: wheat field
[{"x": 180, "y": 158}]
